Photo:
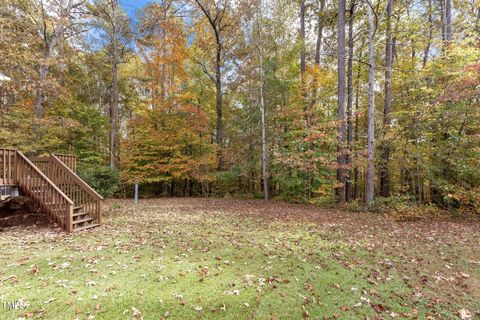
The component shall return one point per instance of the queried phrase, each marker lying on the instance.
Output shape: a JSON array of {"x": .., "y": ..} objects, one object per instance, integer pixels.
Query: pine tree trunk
[
  {"x": 318, "y": 47},
  {"x": 218, "y": 86},
  {"x": 348, "y": 182},
  {"x": 302, "y": 37},
  {"x": 430, "y": 33},
  {"x": 341, "y": 127},
  {"x": 385, "y": 153},
  {"x": 114, "y": 104},
  {"x": 443, "y": 19},
  {"x": 303, "y": 89},
  {"x": 448, "y": 21},
  {"x": 303, "y": 67},
  {"x": 370, "y": 183},
  {"x": 318, "y": 50},
  {"x": 215, "y": 23},
  {"x": 478, "y": 26},
  {"x": 356, "y": 171},
  {"x": 262, "y": 104}
]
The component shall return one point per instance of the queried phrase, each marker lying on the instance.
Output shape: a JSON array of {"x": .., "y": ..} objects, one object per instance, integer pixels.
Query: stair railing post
[
  {"x": 69, "y": 219},
  {"x": 15, "y": 173},
  {"x": 99, "y": 212}
]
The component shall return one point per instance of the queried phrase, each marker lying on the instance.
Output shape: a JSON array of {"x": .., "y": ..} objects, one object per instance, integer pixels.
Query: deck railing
[
  {"x": 44, "y": 192},
  {"x": 71, "y": 184},
  {"x": 69, "y": 160},
  {"x": 7, "y": 166}
]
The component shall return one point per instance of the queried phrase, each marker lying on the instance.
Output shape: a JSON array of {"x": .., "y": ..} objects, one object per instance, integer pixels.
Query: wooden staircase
[{"x": 52, "y": 183}]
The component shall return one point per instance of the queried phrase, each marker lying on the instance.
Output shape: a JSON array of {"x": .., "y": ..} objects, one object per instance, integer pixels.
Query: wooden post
[
  {"x": 99, "y": 212},
  {"x": 69, "y": 219}
]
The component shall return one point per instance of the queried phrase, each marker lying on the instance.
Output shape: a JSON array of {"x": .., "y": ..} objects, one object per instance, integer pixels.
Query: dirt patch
[{"x": 21, "y": 211}]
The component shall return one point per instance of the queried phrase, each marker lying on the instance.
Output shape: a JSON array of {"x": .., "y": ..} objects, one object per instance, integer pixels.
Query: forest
[{"x": 370, "y": 102}]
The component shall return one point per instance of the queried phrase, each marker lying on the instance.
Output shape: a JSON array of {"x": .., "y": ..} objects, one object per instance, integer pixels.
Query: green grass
[{"x": 172, "y": 259}]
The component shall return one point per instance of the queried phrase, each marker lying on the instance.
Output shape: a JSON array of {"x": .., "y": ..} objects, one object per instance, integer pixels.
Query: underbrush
[{"x": 403, "y": 208}]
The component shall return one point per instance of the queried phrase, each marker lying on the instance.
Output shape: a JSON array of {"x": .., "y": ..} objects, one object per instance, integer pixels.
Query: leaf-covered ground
[{"x": 234, "y": 259}]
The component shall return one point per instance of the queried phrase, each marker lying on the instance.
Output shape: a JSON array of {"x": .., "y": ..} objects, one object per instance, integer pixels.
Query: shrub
[
  {"x": 104, "y": 180},
  {"x": 462, "y": 199}
]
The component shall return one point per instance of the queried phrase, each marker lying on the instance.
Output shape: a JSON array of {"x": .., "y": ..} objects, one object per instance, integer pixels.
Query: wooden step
[
  {"x": 77, "y": 208},
  {"x": 83, "y": 220},
  {"x": 86, "y": 227},
  {"x": 78, "y": 214}
]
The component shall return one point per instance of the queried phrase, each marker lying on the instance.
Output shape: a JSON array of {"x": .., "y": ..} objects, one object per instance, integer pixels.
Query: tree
[
  {"x": 114, "y": 22},
  {"x": 51, "y": 19},
  {"x": 448, "y": 21},
  {"x": 161, "y": 43},
  {"x": 385, "y": 152},
  {"x": 370, "y": 183},
  {"x": 341, "y": 127},
  {"x": 216, "y": 14},
  {"x": 349, "y": 155},
  {"x": 167, "y": 143},
  {"x": 430, "y": 33},
  {"x": 321, "y": 24},
  {"x": 262, "y": 103}
]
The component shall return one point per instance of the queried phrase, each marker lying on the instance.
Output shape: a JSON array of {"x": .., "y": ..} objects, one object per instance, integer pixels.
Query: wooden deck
[{"x": 52, "y": 183}]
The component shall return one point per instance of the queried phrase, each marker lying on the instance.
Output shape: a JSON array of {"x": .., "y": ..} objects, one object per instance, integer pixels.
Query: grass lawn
[{"x": 234, "y": 259}]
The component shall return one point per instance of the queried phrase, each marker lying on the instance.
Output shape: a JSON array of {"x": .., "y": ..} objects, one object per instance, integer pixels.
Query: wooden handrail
[
  {"x": 69, "y": 160},
  {"x": 44, "y": 177},
  {"x": 76, "y": 178},
  {"x": 72, "y": 185},
  {"x": 53, "y": 201}
]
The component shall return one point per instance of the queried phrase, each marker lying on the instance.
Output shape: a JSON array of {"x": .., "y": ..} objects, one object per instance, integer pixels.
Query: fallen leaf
[
  {"x": 464, "y": 314},
  {"x": 49, "y": 300}
]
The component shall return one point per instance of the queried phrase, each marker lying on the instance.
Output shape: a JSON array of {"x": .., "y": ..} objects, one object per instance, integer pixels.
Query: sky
[{"x": 130, "y": 6}]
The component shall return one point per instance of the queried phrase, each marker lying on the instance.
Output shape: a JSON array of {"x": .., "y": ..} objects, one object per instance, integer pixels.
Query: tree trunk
[
  {"x": 40, "y": 92},
  {"x": 356, "y": 172},
  {"x": 385, "y": 153},
  {"x": 216, "y": 24},
  {"x": 348, "y": 183},
  {"x": 302, "y": 37},
  {"x": 370, "y": 183},
  {"x": 303, "y": 66},
  {"x": 262, "y": 104},
  {"x": 303, "y": 89},
  {"x": 50, "y": 45},
  {"x": 341, "y": 128},
  {"x": 163, "y": 67},
  {"x": 218, "y": 86},
  {"x": 443, "y": 19},
  {"x": 430, "y": 34},
  {"x": 318, "y": 50},
  {"x": 448, "y": 21},
  {"x": 478, "y": 26},
  {"x": 318, "y": 47},
  {"x": 114, "y": 105}
]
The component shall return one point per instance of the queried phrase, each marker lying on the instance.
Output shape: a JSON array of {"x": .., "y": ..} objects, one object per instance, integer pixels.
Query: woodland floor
[{"x": 241, "y": 259}]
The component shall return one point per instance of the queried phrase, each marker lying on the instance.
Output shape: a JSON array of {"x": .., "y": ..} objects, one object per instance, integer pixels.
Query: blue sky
[{"x": 130, "y": 6}]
